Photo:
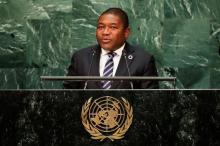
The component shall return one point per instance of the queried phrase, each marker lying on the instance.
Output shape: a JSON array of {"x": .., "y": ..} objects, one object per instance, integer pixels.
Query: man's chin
[{"x": 107, "y": 47}]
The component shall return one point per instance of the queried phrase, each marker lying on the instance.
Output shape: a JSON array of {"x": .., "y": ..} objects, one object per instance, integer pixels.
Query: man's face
[{"x": 110, "y": 32}]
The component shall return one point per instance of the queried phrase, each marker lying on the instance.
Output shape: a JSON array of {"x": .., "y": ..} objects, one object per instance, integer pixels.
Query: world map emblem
[{"x": 107, "y": 117}]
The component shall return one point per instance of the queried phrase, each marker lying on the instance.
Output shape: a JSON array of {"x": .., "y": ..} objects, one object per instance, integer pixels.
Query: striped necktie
[{"x": 108, "y": 70}]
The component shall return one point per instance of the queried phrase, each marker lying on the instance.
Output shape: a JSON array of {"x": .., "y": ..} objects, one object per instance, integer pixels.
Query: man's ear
[{"x": 127, "y": 32}]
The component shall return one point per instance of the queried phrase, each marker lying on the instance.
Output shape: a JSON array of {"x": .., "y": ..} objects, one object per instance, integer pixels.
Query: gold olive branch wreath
[{"x": 96, "y": 134}]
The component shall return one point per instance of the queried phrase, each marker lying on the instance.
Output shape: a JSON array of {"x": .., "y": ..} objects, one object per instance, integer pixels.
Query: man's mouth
[{"x": 106, "y": 40}]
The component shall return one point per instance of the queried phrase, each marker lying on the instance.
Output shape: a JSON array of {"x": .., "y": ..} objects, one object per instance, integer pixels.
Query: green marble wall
[{"x": 38, "y": 37}]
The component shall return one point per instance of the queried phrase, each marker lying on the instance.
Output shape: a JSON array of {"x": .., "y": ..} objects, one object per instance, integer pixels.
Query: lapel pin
[{"x": 130, "y": 57}]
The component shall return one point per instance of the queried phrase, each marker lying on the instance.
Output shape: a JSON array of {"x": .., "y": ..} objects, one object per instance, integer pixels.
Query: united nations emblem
[{"x": 107, "y": 117}]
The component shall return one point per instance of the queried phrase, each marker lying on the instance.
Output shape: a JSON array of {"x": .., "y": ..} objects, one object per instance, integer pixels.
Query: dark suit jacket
[{"x": 140, "y": 63}]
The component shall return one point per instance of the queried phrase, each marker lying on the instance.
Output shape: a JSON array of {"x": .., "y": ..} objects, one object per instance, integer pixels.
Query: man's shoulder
[
  {"x": 139, "y": 51},
  {"x": 89, "y": 49}
]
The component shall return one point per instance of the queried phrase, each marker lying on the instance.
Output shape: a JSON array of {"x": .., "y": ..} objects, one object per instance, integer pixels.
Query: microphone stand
[
  {"x": 90, "y": 66},
  {"x": 129, "y": 73}
]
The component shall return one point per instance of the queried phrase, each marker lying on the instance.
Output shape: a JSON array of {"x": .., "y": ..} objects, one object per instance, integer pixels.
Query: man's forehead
[
  {"x": 109, "y": 23},
  {"x": 109, "y": 17}
]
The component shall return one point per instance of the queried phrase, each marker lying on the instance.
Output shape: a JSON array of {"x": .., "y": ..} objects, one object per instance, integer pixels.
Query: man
[{"x": 113, "y": 56}]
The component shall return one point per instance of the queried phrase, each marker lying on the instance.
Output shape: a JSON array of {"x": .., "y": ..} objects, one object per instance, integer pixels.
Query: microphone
[
  {"x": 90, "y": 66},
  {"x": 129, "y": 73}
]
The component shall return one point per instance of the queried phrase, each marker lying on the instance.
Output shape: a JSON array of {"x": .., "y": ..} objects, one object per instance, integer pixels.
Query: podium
[{"x": 160, "y": 117}]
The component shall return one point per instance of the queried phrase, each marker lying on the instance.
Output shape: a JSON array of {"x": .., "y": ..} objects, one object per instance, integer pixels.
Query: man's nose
[{"x": 106, "y": 31}]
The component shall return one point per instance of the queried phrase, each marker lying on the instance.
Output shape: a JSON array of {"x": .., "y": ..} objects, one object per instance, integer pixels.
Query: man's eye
[
  {"x": 100, "y": 27},
  {"x": 113, "y": 27}
]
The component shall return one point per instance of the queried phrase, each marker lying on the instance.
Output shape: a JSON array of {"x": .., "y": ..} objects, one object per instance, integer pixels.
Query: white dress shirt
[{"x": 104, "y": 58}]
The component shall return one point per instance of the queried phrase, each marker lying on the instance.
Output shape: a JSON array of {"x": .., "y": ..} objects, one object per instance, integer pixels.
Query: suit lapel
[
  {"x": 95, "y": 66},
  {"x": 122, "y": 70}
]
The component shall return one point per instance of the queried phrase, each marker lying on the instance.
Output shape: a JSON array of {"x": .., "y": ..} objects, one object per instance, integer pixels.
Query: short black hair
[{"x": 118, "y": 12}]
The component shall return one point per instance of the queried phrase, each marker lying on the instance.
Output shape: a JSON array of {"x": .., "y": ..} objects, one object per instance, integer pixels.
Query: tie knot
[{"x": 111, "y": 54}]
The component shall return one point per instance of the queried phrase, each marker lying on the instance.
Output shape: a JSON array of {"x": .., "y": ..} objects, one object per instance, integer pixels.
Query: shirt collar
[{"x": 118, "y": 51}]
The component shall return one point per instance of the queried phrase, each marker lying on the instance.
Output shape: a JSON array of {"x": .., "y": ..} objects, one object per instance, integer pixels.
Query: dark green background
[{"x": 38, "y": 37}]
